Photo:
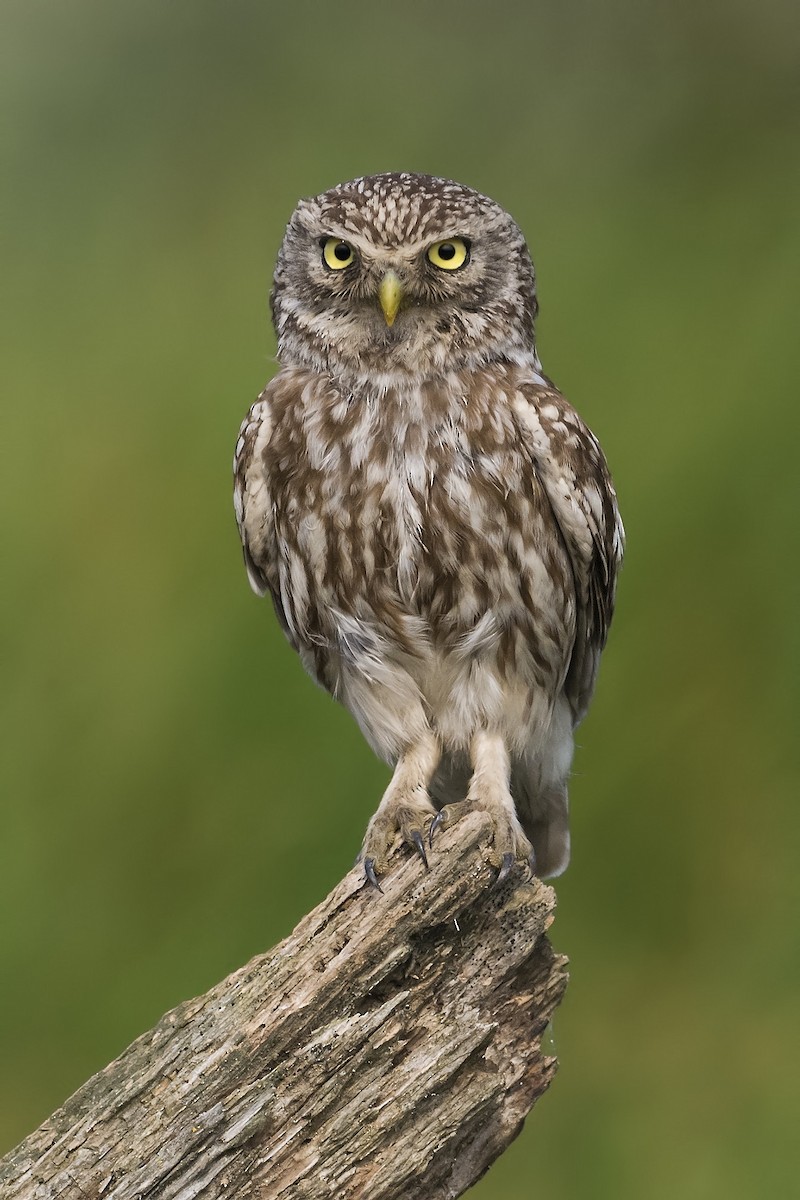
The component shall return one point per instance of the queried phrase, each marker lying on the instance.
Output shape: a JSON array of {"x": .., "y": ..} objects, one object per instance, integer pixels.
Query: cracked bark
[{"x": 389, "y": 1048}]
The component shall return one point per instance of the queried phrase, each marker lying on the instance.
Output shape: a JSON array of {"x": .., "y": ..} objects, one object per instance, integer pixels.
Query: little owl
[{"x": 434, "y": 523}]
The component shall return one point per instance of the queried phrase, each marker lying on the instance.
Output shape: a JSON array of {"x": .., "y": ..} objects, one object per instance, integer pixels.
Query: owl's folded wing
[
  {"x": 576, "y": 478},
  {"x": 252, "y": 502}
]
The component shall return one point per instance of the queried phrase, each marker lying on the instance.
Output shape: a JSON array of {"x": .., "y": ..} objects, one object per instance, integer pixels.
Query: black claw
[
  {"x": 369, "y": 871},
  {"x": 436, "y": 823},
  {"x": 532, "y": 862},
  {"x": 505, "y": 870},
  {"x": 416, "y": 838}
]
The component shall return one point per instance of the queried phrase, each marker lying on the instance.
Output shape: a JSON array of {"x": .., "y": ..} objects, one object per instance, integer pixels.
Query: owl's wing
[
  {"x": 252, "y": 502},
  {"x": 576, "y": 478}
]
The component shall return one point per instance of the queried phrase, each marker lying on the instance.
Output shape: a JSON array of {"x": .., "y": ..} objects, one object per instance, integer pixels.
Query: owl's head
[{"x": 403, "y": 272}]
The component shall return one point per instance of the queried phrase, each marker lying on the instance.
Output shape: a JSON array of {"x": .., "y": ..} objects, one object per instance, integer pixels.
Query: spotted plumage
[{"x": 435, "y": 524}]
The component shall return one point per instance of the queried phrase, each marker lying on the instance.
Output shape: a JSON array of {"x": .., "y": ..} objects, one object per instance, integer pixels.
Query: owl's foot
[
  {"x": 489, "y": 792},
  {"x": 406, "y": 808},
  {"x": 407, "y": 815},
  {"x": 510, "y": 846}
]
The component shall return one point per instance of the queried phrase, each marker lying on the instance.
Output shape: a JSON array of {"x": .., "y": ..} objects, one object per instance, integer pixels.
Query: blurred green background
[{"x": 176, "y": 792}]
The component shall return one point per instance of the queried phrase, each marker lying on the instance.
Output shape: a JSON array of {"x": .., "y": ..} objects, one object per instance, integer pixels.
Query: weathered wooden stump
[{"x": 389, "y": 1048}]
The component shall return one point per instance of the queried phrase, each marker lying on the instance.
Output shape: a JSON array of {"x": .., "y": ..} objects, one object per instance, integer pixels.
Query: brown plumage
[{"x": 435, "y": 524}]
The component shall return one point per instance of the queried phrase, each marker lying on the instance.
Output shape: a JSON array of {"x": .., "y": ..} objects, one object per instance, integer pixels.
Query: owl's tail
[{"x": 544, "y": 815}]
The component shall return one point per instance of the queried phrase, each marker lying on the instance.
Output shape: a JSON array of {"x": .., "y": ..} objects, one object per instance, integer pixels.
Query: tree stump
[{"x": 389, "y": 1048}]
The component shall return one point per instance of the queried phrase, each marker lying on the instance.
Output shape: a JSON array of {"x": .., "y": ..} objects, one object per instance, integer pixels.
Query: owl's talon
[
  {"x": 416, "y": 838},
  {"x": 505, "y": 870},
  {"x": 435, "y": 825},
  {"x": 532, "y": 863},
  {"x": 369, "y": 871}
]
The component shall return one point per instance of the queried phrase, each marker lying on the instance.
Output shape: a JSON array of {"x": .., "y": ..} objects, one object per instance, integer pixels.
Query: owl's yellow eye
[
  {"x": 450, "y": 254},
  {"x": 337, "y": 254}
]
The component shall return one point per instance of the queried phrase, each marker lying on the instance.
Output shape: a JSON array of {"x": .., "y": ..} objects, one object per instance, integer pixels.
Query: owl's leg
[
  {"x": 406, "y": 806},
  {"x": 490, "y": 791}
]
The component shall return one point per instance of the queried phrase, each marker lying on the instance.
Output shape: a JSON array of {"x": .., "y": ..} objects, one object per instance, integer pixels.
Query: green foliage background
[{"x": 177, "y": 793}]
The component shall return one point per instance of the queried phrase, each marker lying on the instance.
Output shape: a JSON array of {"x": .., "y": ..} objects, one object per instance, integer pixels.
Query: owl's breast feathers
[{"x": 474, "y": 514}]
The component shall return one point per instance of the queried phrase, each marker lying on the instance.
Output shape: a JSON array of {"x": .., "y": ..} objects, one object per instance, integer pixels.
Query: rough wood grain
[{"x": 390, "y": 1047}]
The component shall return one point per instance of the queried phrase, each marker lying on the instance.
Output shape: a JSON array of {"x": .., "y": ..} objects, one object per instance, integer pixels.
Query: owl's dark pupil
[
  {"x": 447, "y": 250},
  {"x": 342, "y": 252}
]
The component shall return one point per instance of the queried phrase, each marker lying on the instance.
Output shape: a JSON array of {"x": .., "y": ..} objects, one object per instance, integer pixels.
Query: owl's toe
[
  {"x": 510, "y": 850},
  {"x": 446, "y": 816}
]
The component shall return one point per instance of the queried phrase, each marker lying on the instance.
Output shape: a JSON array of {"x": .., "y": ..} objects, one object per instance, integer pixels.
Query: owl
[{"x": 434, "y": 523}]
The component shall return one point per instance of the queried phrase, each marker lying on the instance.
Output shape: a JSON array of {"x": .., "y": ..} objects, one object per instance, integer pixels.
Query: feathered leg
[
  {"x": 406, "y": 806},
  {"x": 490, "y": 791}
]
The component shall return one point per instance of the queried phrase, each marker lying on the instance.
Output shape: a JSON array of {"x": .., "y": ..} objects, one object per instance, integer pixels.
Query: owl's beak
[{"x": 390, "y": 293}]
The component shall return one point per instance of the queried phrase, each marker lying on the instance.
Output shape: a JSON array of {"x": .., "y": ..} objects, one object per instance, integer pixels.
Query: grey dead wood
[{"x": 390, "y": 1047}]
